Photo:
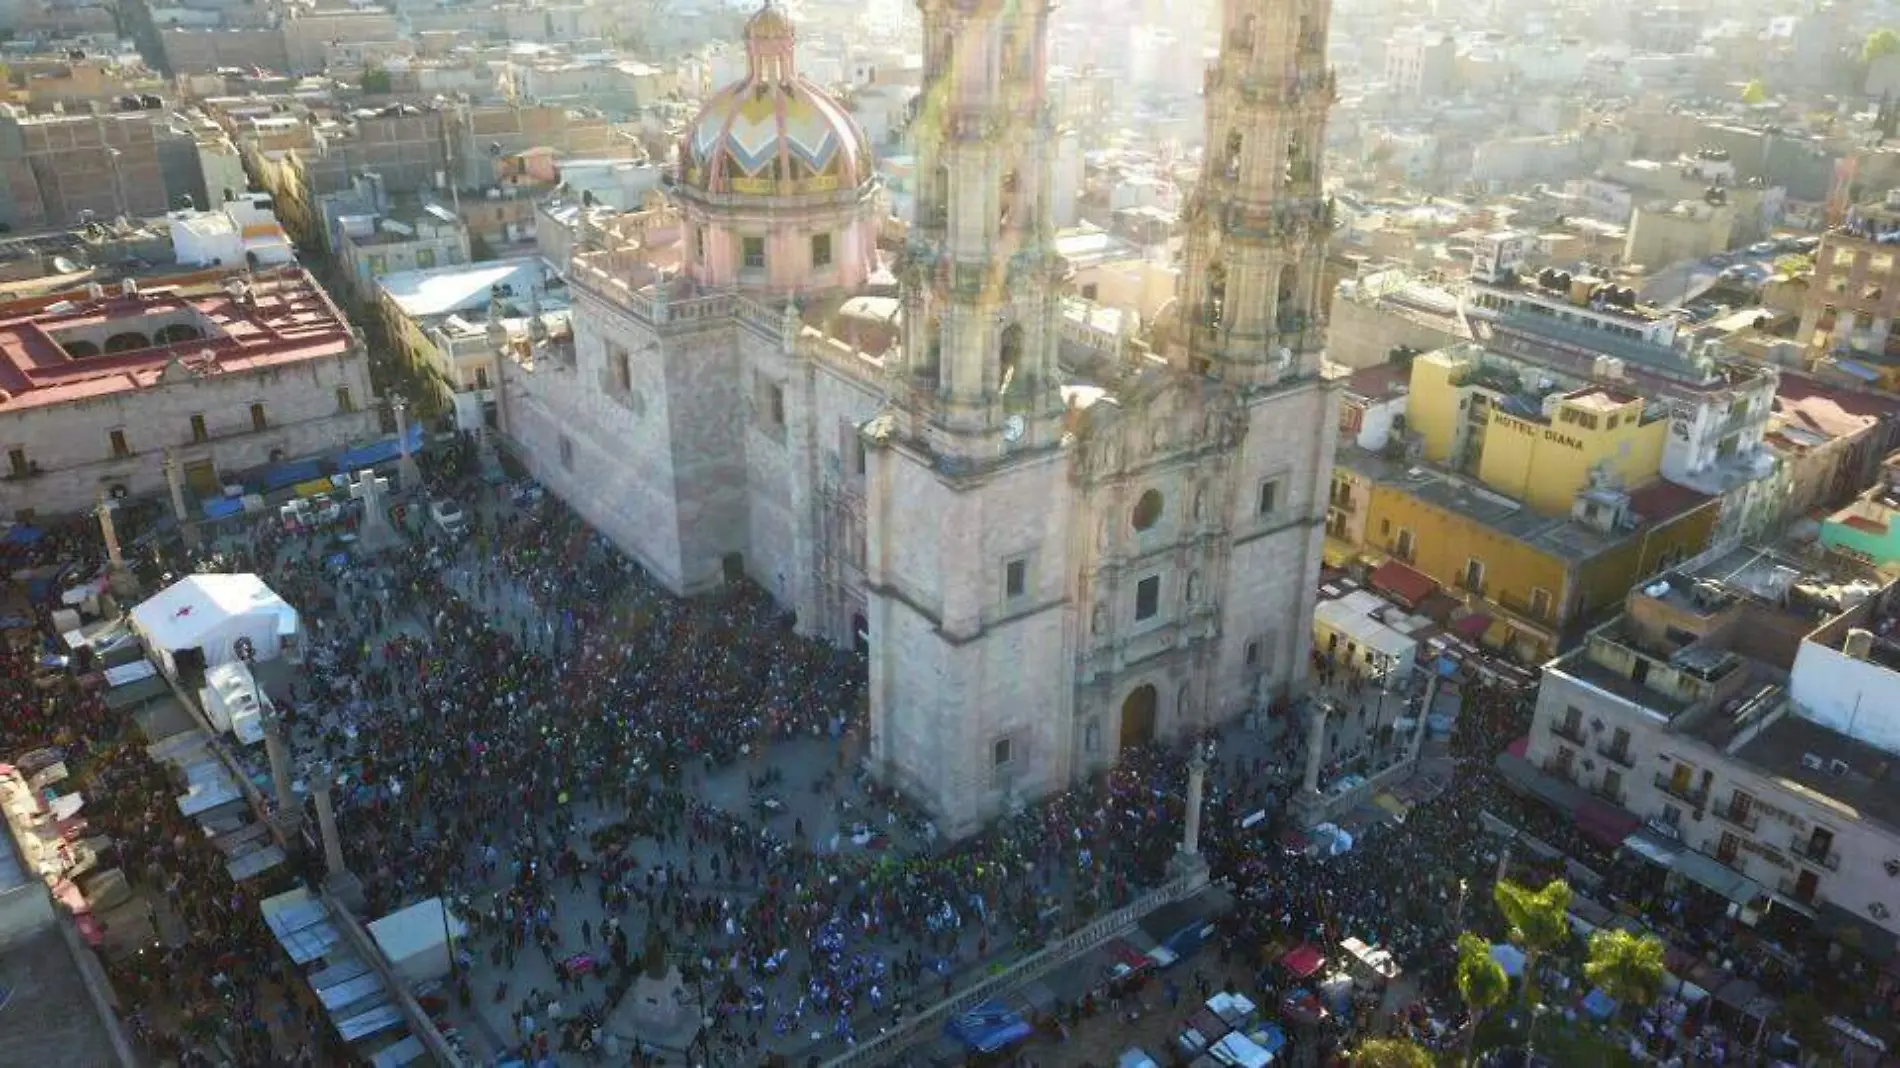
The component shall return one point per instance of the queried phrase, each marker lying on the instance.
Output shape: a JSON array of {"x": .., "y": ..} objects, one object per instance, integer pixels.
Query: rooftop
[
  {"x": 88, "y": 343},
  {"x": 1558, "y": 536},
  {"x": 1829, "y": 767},
  {"x": 467, "y": 287}
]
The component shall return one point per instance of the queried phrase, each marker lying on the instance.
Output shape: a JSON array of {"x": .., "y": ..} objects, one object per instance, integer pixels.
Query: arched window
[
  {"x": 1009, "y": 351},
  {"x": 127, "y": 341},
  {"x": 1147, "y": 510},
  {"x": 79, "y": 350},
  {"x": 1216, "y": 309},
  {"x": 176, "y": 333}
]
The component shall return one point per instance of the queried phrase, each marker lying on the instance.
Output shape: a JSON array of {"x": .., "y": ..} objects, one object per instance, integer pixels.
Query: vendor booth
[{"x": 202, "y": 621}]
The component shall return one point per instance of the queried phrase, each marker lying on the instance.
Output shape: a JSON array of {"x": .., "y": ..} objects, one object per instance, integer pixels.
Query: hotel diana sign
[{"x": 1535, "y": 430}]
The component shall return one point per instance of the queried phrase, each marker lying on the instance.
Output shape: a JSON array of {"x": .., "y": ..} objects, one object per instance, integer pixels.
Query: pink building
[{"x": 777, "y": 182}]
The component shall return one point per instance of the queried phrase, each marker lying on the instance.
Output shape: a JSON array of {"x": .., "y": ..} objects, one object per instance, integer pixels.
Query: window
[
  {"x": 1540, "y": 603},
  {"x": 1092, "y": 737},
  {"x": 1000, "y": 752},
  {"x": 258, "y": 422},
  {"x": 1269, "y": 497},
  {"x": 1253, "y": 654},
  {"x": 622, "y": 368},
  {"x": 1015, "y": 579},
  {"x": 1407, "y": 545},
  {"x": 120, "y": 449},
  {"x": 1880, "y": 263},
  {"x": 1148, "y": 597},
  {"x": 699, "y": 244},
  {"x": 754, "y": 253},
  {"x": 16, "y": 461},
  {"x": 1147, "y": 510},
  {"x": 198, "y": 432},
  {"x": 425, "y": 258},
  {"x": 481, "y": 378},
  {"x": 1473, "y": 577},
  {"x": 567, "y": 452},
  {"x": 773, "y": 404},
  {"x": 820, "y": 250},
  {"x": 344, "y": 402},
  {"x": 1089, "y": 291}
]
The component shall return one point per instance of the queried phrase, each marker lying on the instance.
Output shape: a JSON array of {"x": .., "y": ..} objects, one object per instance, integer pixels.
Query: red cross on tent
[{"x": 182, "y": 612}]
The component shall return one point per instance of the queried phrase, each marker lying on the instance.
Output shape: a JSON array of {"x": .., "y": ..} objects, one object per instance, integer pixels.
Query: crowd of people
[{"x": 523, "y": 724}]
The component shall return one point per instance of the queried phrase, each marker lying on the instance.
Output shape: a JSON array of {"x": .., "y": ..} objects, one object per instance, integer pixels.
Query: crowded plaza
[{"x": 607, "y": 784}]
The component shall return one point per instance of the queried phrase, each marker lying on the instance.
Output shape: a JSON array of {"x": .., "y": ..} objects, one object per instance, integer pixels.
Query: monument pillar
[
  {"x": 289, "y": 814},
  {"x": 175, "y": 482},
  {"x": 1315, "y": 746},
  {"x": 340, "y": 881},
  {"x": 117, "y": 574},
  {"x": 1188, "y": 859},
  {"x": 406, "y": 468}
]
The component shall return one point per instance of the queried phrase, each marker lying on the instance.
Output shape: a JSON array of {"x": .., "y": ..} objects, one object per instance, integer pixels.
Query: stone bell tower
[
  {"x": 967, "y": 495},
  {"x": 1257, "y": 225}
]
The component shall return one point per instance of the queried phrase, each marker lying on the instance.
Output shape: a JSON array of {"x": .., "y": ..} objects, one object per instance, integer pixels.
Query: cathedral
[{"x": 1045, "y": 559}]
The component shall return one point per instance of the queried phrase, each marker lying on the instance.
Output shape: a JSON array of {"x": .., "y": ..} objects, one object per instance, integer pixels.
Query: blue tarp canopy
[
  {"x": 290, "y": 474},
  {"x": 988, "y": 1027},
  {"x": 1271, "y": 1039},
  {"x": 24, "y": 534},
  {"x": 1600, "y": 1005},
  {"x": 223, "y": 507},
  {"x": 378, "y": 452}
]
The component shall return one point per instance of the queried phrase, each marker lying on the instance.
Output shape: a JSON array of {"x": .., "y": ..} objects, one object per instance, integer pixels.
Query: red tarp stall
[
  {"x": 1406, "y": 585},
  {"x": 1472, "y": 627},
  {"x": 1303, "y": 960}
]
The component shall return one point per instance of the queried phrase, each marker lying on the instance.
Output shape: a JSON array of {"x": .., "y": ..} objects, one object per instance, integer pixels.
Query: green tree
[
  {"x": 1794, "y": 265},
  {"x": 1805, "y": 1020},
  {"x": 1629, "y": 967},
  {"x": 1881, "y": 43},
  {"x": 1539, "y": 921},
  {"x": 376, "y": 81},
  {"x": 1481, "y": 982},
  {"x": 1755, "y": 92},
  {"x": 1391, "y": 1053}
]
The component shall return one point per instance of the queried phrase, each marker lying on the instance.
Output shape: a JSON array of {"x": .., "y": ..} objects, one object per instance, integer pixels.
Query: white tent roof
[
  {"x": 1346, "y": 618},
  {"x": 186, "y": 612}
]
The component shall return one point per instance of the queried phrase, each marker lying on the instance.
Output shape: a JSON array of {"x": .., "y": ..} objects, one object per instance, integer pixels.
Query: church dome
[{"x": 773, "y": 133}]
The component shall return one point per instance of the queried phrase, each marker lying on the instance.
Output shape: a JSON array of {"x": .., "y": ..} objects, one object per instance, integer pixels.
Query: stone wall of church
[
  {"x": 710, "y": 415},
  {"x": 973, "y": 690},
  {"x": 1274, "y": 567}
]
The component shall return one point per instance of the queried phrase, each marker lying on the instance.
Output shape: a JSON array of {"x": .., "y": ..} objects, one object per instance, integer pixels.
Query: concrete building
[
  {"x": 1662, "y": 234},
  {"x": 1853, "y": 297},
  {"x": 423, "y": 239},
  {"x": 438, "y": 318},
  {"x": 1736, "y": 719},
  {"x": 1040, "y": 574},
  {"x": 242, "y": 232},
  {"x": 54, "y": 168},
  {"x": 1420, "y": 65},
  {"x": 482, "y": 136},
  {"x": 101, "y": 385},
  {"x": 1383, "y": 311},
  {"x": 1866, "y": 529}
]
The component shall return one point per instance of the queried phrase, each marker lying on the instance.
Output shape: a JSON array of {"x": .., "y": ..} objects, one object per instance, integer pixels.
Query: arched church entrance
[{"x": 1138, "y": 717}]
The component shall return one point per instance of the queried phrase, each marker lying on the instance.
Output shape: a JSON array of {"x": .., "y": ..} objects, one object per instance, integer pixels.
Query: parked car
[{"x": 447, "y": 518}]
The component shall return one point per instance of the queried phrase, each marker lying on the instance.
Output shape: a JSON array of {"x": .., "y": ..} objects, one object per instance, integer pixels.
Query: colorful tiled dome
[{"x": 773, "y": 133}]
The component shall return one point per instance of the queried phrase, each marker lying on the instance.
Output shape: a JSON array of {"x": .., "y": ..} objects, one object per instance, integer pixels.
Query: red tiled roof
[
  {"x": 1663, "y": 500},
  {"x": 288, "y": 319},
  {"x": 1379, "y": 380},
  {"x": 1402, "y": 582}
]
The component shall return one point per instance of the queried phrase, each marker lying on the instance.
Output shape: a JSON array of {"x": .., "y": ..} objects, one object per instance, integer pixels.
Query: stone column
[
  {"x": 1424, "y": 713},
  {"x": 114, "y": 557},
  {"x": 175, "y": 481},
  {"x": 321, "y": 776},
  {"x": 1315, "y": 746},
  {"x": 277, "y": 747},
  {"x": 1196, "y": 784},
  {"x": 406, "y": 467}
]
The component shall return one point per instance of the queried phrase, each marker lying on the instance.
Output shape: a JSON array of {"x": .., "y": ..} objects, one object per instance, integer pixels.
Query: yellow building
[
  {"x": 1477, "y": 417},
  {"x": 1591, "y": 432},
  {"x": 1536, "y": 578}
]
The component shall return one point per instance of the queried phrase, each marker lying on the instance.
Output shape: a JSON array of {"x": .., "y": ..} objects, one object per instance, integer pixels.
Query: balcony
[
  {"x": 1791, "y": 890},
  {"x": 1613, "y": 795},
  {"x": 1569, "y": 732},
  {"x": 1558, "y": 769},
  {"x": 1616, "y": 754},
  {"x": 1697, "y": 797},
  {"x": 1745, "y": 818},
  {"x": 1801, "y": 846}
]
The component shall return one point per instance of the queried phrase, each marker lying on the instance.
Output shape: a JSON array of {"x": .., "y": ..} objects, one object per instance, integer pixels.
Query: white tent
[
  {"x": 419, "y": 939},
  {"x": 212, "y": 613}
]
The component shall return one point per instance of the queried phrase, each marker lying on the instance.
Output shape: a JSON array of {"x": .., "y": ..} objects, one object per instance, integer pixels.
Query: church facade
[{"x": 1045, "y": 563}]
